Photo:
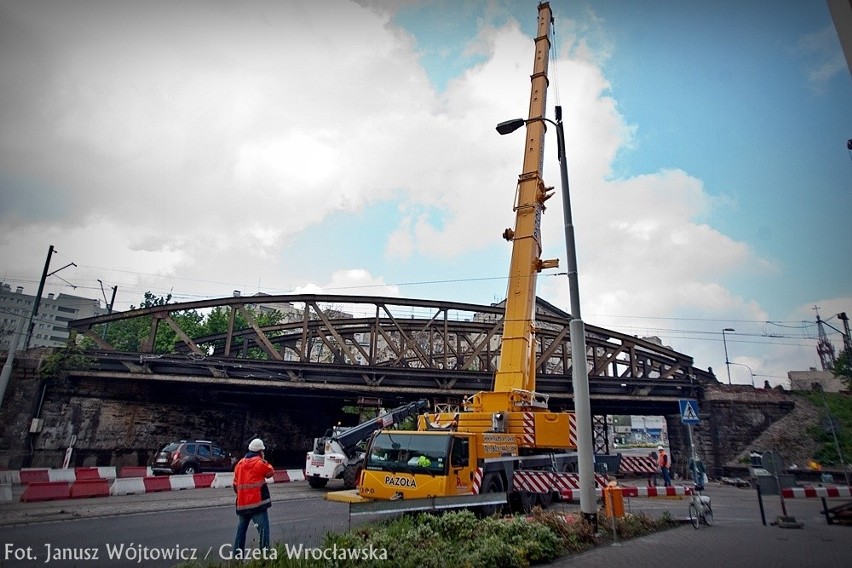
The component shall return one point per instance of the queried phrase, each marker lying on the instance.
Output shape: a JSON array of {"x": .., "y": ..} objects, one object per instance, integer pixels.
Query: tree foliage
[
  {"x": 843, "y": 368},
  {"x": 130, "y": 334},
  {"x": 69, "y": 357}
]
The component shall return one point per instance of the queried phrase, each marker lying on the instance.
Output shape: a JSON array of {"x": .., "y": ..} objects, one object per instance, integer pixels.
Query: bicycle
[{"x": 700, "y": 509}]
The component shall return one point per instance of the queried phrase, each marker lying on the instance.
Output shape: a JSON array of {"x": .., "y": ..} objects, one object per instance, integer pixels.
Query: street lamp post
[
  {"x": 725, "y": 342},
  {"x": 749, "y": 370},
  {"x": 579, "y": 372}
]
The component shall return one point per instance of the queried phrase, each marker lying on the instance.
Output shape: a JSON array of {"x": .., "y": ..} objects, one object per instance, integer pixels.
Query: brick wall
[
  {"x": 121, "y": 423},
  {"x": 732, "y": 417}
]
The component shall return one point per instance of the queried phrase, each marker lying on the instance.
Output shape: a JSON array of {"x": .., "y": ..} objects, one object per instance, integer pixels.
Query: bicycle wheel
[
  {"x": 708, "y": 515},
  {"x": 693, "y": 515}
]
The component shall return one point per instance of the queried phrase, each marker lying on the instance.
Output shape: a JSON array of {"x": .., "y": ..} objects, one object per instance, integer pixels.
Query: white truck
[{"x": 337, "y": 455}]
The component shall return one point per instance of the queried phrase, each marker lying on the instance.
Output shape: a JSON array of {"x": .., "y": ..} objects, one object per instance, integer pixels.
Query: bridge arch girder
[{"x": 372, "y": 341}]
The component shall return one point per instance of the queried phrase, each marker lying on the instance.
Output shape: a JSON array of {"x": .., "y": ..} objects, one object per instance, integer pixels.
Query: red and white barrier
[
  {"x": 546, "y": 481},
  {"x": 104, "y": 487},
  {"x": 10, "y": 477},
  {"x": 90, "y": 488},
  {"x": 45, "y": 475},
  {"x": 288, "y": 475},
  {"x": 223, "y": 480},
  {"x": 136, "y": 471},
  {"x": 127, "y": 486},
  {"x": 574, "y": 494},
  {"x": 637, "y": 465},
  {"x": 816, "y": 492},
  {"x": 631, "y": 491},
  {"x": 204, "y": 480},
  {"x": 178, "y": 482},
  {"x": 46, "y": 491}
]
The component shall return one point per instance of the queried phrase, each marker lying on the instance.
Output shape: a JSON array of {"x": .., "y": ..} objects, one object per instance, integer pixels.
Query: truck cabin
[{"x": 417, "y": 452}]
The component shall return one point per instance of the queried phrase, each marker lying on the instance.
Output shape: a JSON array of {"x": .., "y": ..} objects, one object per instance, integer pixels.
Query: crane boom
[{"x": 517, "y": 356}]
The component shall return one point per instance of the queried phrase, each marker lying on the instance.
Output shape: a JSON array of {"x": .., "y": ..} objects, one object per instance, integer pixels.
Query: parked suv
[{"x": 192, "y": 456}]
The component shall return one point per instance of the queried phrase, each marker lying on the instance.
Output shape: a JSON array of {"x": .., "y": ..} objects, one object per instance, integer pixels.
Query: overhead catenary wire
[{"x": 790, "y": 324}]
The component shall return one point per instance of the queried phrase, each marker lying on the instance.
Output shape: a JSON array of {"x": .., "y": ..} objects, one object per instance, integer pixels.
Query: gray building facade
[{"x": 51, "y": 322}]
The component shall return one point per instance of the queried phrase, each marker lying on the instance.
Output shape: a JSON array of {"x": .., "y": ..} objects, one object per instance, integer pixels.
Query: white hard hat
[
  {"x": 256, "y": 445},
  {"x": 659, "y": 447}
]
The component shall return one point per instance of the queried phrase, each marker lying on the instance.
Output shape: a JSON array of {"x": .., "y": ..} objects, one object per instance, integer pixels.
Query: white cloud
[
  {"x": 825, "y": 60},
  {"x": 197, "y": 141}
]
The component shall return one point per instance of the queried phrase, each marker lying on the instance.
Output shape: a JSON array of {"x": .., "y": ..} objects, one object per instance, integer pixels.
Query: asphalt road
[
  {"x": 133, "y": 529},
  {"x": 142, "y": 529}
]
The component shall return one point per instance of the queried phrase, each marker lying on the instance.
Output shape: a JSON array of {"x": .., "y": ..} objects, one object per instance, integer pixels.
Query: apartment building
[{"x": 51, "y": 322}]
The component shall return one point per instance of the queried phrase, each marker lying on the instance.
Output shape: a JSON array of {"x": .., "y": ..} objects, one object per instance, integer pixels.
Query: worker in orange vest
[
  {"x": 253, "y": 499},
  {"x": 665, "y": 465}
]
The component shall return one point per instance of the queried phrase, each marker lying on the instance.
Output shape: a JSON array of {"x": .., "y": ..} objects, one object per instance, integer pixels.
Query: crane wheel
[
  {"x": 491, "y": 483},
  {"x": 522, "y": 501}
]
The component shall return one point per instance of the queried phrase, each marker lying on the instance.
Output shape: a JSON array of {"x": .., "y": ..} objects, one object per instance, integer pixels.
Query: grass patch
[{"x": 840, "y": 407}]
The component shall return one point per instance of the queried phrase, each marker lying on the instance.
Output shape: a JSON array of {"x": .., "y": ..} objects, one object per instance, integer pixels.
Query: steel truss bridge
[{"x": 377, "y": 346}]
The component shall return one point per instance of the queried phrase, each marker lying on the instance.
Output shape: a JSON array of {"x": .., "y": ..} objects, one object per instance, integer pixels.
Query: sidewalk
[{"x": 736, "y": 539}]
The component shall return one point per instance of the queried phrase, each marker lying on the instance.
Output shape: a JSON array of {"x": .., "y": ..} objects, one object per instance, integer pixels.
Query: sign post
[{"x": 689, "y": 416}]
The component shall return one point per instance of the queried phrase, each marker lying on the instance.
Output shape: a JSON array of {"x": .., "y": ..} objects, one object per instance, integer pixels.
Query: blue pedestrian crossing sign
[{"x": 689, "y": 411}]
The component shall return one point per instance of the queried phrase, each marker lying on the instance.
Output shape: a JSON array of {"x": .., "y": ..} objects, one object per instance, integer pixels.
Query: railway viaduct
[{"x": 289, "y": 381}]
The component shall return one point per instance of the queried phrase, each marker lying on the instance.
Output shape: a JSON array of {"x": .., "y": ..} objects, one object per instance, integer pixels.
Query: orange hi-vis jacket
[
  {"x": 250, "y": 484},
  {"x": 663, "y": 459}
]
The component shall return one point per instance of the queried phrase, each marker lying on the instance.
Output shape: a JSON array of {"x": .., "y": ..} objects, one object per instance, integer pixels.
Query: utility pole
[
  {"x": 37, "y": 300},
  {"x": 847, "y": 340},
  {"x": 727, "y": 362},
  {"x": 108, "y": 305},
  {"x": 825, "y": 349}
]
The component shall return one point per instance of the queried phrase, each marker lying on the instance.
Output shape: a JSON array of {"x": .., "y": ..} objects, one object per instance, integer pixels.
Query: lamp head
[{"x": 510, "y": 125}]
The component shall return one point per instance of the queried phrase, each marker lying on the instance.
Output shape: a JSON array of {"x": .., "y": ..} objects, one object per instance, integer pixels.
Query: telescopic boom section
[{"x": 517, "y": 359}]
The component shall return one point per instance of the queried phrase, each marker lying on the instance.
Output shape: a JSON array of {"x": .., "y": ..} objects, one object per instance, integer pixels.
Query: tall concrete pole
[
  {"x": 10, "y": 359},
  {"x": 579, "y": 372}
]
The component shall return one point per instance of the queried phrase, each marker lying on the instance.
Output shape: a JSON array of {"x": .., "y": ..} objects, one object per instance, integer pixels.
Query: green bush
[
  {"x": 460, "y": 539},
  {"x": 455, "y": 539}
]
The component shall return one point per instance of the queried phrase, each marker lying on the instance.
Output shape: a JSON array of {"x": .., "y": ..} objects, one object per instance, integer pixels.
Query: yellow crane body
[{"x": 510, "y": 428}]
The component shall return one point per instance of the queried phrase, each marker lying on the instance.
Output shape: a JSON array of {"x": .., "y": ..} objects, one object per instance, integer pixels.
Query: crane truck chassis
[{"x": 472, "y": 469}]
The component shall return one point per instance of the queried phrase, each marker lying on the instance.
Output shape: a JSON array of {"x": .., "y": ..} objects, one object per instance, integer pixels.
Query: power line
[{"x": 128, "y": 288}]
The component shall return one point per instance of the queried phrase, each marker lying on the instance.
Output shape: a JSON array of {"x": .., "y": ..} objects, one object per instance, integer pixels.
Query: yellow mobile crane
[{"x": 509, "y": 429}]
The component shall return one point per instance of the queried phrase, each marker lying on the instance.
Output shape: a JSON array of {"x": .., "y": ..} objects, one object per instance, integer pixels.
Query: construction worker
[
  {"x": 665, "y": 464},
  {"x": 253, "y": 499}
]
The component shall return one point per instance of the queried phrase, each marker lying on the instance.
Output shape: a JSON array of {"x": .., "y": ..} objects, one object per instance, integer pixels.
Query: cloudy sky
[{"x": 195, "y": 148}]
